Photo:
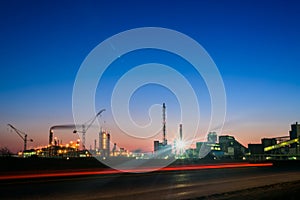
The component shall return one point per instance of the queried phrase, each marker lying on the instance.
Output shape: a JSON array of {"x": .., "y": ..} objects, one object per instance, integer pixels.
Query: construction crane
[
  {"x": 21, "y": 134},
  {"x": 86, "y": 126},
  {"x": 76, "y": 128}
]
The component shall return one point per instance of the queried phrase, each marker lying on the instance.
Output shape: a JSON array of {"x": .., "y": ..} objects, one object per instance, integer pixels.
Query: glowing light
[
  {"x": 282, "y": 144},
  {"x": 113, "y": 171},
  {"x": 180, "y": 144}
]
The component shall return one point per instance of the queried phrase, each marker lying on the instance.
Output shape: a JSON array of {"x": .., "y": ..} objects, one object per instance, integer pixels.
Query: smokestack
[
  {"x": 50, "y": 136},
  {"x": 180, "y": 132},
  {"x": 164, "y": 124}
]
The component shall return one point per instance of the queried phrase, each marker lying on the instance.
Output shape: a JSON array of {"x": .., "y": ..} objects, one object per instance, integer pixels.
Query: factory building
[
  {"x": 255, "y": 149},
  {"x": 231, "y": 147},
  {"x": 278, "y": 148},
  {"x": 210, "y": 148},
  {"x": 266, "y": 142},
  {"x": 295, "y": 131},
  {"x": 294, "y": 134}
]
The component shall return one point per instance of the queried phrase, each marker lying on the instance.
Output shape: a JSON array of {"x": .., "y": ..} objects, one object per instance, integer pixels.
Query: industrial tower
[
  {"x": 104, "y": 143},
  {"x": 164, "y": 125},
  {"x": 180, "y": 132},
  {"x": 162, "y": 149}
]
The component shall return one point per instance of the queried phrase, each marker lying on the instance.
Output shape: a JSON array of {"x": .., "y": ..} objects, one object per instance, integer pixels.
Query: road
[{"x": 166, "y": 184}]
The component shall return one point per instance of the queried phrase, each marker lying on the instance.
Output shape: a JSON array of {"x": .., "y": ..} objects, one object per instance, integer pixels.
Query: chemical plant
[{"x": 215, "y": 147}]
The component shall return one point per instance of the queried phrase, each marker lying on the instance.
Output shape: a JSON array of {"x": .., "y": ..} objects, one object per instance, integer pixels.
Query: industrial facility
[
  {"x": 72, "y": 149},
  {"x": 56, "y": 149},
  {"x": 222, "y": 147},
  {"x": 277, "y": 148}
]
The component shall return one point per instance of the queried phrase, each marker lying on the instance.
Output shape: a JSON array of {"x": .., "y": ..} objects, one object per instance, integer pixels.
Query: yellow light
[{"x": 281, "y": 144}]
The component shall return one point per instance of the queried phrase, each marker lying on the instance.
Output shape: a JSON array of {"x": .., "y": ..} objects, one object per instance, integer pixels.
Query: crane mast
[
  {"x": 87, "y": 125},
  {"x": 22, "y": 135}
]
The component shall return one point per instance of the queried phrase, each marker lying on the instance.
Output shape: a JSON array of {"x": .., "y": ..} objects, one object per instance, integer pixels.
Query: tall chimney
[
  {"x": 164, "y": 124},
  {"x": 180, "y": 132}
]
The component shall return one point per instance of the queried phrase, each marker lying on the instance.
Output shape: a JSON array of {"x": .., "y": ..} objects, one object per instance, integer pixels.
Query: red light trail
[{"x": 113, "y": 171}]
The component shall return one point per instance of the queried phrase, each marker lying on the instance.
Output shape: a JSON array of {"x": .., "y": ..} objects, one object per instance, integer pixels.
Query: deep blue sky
[{"x": 255, "y": 45}]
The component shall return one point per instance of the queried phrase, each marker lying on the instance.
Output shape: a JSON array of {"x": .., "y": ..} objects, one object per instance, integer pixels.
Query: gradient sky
[{"x": 255, "y": 45}]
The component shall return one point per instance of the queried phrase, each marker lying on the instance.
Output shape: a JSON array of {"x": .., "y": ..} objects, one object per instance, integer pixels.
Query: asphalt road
[{"x": 154, "y": 185}]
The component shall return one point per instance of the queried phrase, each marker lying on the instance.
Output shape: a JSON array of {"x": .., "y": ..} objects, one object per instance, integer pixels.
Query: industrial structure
[
  {"x": 76, "y": 128},
  {"x": 22, "y": 135},
  {"x": 165, "y": 142},
  {"x": 104, "y": 144},
  {"x": 222, "y": 147},
  {"x": 162, "y": 149},
  {"x": 207, "y": 148},
  {"x": 231, "y": 147},
  {"x": 277, "y": 148},
  {"x": 227, "y": 148},
  {"x": 179, "y": 144},
  {"x": 72, "y": 149}
]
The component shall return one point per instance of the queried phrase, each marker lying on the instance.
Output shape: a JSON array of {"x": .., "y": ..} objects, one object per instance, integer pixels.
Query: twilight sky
[{"x": 254, "y": 44}]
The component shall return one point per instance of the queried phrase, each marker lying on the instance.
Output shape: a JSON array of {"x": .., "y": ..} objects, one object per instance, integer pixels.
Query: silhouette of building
[
  {"x": 266, "y": 142},
  {"x": 295, "y": 131},
  {"x": 255, "y": 149},
  {"x": 231, "y": 147},
  {"x": 294, "y": 134},
  {"x": 209, "y": 150}
]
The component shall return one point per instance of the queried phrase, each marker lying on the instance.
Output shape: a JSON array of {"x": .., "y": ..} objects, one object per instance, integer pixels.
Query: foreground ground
[{"x": 286, "y": 190}]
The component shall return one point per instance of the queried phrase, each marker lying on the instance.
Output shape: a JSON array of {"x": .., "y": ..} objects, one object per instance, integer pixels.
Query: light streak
[{"x": 113, "y": 171}]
